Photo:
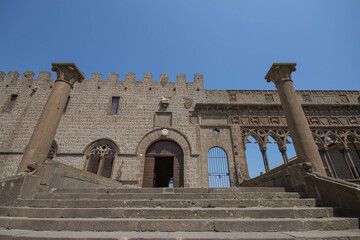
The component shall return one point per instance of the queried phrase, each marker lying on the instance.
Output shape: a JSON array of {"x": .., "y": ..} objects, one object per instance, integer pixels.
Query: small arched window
[
  {"x": 101, "y": 159},
  {"x": 218, "y": 168}
]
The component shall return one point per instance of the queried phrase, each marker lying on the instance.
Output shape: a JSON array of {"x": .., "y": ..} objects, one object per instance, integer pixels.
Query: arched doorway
[
  {"x": 164, "y": 165},
  {"x": 218, "y": 168}
]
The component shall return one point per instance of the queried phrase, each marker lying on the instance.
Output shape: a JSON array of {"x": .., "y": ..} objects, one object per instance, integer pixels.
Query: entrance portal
[
  {"x": 163, "y": 175},
  {"x": 164, "y": 165}
]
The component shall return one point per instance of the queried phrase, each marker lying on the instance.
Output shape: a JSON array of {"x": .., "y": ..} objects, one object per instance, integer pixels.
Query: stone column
[
  {"x": 284, "y": 155},
  {"x": 40, "y": 142},
  {"x": 265, "y": 159},
  {"x": 327, "y": 155},
  {"x": 306, "y": 150},
  {"x": 350, "y": 163},
  {"x": 327, "y": 158}
]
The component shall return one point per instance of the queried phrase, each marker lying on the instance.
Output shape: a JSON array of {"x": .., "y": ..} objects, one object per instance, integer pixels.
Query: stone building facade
[{"x": 123, "y": 129}]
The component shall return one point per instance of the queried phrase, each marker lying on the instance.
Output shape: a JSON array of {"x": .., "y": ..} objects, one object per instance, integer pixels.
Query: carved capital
[
  {"x": 67, "y": 72},
  {"x": 280, "y": 72}
]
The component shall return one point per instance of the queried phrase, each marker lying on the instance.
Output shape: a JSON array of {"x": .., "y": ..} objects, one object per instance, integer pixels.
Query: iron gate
[{"x": 218, "y": 168}]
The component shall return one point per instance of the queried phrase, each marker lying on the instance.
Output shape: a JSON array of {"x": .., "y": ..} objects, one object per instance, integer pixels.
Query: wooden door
[
  {"x": 148, "y": 179},
  {"x": 164, "y": 149}
]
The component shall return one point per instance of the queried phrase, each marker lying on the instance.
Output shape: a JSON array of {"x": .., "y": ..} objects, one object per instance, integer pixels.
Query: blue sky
[{"x": 233, "y": 43}]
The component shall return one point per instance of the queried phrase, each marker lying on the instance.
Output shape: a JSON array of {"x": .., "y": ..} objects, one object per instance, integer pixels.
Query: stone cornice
[{"x": 273, "y": 106}]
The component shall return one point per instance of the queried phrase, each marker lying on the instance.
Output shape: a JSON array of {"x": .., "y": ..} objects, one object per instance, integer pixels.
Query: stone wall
[{"x": 192, "y": 112}]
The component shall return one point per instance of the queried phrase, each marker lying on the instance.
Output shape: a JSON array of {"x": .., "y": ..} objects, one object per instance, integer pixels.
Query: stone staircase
[{"x": 180, "y": 213}]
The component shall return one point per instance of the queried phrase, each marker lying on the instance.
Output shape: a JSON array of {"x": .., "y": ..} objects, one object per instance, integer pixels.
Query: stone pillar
[
  {"x": 265, "y": 159},
  {"x": 40, "y": 142},
  {"x": 284, "y": 155},
  {"x": 327, "y": 158},
  {"x": 306, "y": 150},
  {"x": 349, "y": 162}
]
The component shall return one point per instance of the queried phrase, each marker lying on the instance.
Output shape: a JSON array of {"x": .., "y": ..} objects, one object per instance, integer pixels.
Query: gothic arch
[
  {"x": 336, "y": 138},
  {"x": 353, "y": 137},
  {"x": 100, "y": 157},
  {"x": 256, "y": 136},
  {"x": 278, "y": 140},
  {"x": 319, "y": 140},
  {"x": 101, "y": 141}
]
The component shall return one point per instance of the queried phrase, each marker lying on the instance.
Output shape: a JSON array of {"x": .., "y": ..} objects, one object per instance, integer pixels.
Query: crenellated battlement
[
  {"x": 97, "y": 77},
  {"x": 147, "y": 78}
]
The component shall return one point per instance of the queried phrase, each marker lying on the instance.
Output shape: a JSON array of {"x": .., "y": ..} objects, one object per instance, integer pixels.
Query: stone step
[
  {"x": 234, "y": 195},
  {"x": 168, "y": 203},
  {"x": 167, "y": 213},
  {"x": 70, "y": 235},
  {"x": 170, "y": 190},
  {"x": 173, "y": 225}
]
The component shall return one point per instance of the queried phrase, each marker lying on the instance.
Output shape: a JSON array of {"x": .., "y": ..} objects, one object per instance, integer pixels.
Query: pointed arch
[{"x": 100, "y": 157}]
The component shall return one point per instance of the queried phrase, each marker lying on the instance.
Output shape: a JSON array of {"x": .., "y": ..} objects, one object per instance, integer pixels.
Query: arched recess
[
  {"x": 218, "y": 166},
  {"x": 165, "y": 134},
  {"x": 164, "y": 165},
  {"x": 100, "y": 157}
]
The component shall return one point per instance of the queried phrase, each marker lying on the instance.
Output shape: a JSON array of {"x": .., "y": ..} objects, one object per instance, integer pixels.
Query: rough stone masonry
[{"x": 122, "y": 129}]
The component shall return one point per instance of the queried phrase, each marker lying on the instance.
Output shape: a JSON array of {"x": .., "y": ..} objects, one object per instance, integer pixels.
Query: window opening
[
  {"x": 218, "y": 168},
  {"x": 254, "y": 158},
  {"x": 101, "y": 160},
  {"x": 11, "y": 103},
  {"x": 114, "y": 105},
  {"x": 275, "y": 158}
]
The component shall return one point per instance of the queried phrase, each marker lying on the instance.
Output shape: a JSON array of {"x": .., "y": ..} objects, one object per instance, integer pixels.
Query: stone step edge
[
  {"x": 168, "y": 190},
  {"x": 169, "y": 213},
  {"x": 72, "y": 235},
  {"x": 174, "y": 203},
  {"x": 144, "y": 196},
  {"x": 174, "y": 209},
  {"x": 175, "y": 225}
]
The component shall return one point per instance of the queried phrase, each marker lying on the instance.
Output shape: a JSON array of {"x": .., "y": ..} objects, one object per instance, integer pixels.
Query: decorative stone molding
[
  {"x": 280, "y": 72},
  {"x": 67, "y": 72},
  {"x": 157, "y": 135}
]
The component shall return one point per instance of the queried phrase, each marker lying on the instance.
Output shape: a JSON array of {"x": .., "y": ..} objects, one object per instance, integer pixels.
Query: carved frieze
[
  {"x": 269, "y": 97},
  {"x": 281, "y": 121},
  {"x": 344, "y": 98},
  {"x": 232, "y": 95},
  {"x": 306, "y": 97}
]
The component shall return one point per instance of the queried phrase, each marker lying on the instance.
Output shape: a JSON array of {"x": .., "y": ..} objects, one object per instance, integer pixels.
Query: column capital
[
  {"x": 280, "y": 72},
  {"x": 67, "y": 72}
]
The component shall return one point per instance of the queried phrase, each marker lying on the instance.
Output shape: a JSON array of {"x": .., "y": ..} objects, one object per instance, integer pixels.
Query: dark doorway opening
[
  {"x": 164, "y": 165},
  {"x": 164, "y": 173}
]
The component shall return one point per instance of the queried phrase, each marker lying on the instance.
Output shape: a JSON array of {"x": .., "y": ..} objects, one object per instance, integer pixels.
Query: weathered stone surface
[{"x": 195, "y": 113}]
